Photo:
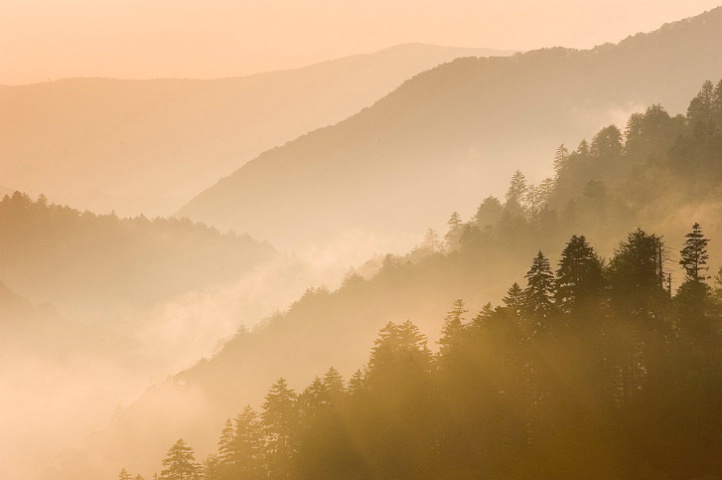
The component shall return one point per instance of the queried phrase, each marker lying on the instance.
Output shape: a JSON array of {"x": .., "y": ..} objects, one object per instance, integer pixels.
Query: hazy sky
[{"x": 51, "y": 39}]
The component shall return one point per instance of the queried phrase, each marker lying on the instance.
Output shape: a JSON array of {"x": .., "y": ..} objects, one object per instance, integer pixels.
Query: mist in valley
[{"x": 494, "y": 260}]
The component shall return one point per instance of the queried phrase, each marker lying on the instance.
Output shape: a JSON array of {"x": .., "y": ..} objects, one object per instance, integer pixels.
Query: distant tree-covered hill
[
  {"x": 589, "y": 371},
  {"x": 662, "y": 174},
  {"x": 79, "y": 260},
  {"x": 453, "y": 133},
  {"x": 149, "y": 146}
]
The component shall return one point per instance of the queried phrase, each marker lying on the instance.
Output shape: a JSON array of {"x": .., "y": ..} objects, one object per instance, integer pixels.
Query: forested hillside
[
  {"x": 661, "y": 173},
  {"x": 82, "y": 262},
  {"x": 452, "y": 134},
  {"x": 589, "y": 371}
]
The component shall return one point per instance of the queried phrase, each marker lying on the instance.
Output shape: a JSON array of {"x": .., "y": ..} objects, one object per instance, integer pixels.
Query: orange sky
[{"x": 51, "y": 39}]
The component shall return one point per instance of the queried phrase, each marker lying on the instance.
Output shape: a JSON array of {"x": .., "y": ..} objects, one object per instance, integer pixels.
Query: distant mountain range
[
  {"x": 452, "y": 133},
  {"x": 148, "y": 146}
]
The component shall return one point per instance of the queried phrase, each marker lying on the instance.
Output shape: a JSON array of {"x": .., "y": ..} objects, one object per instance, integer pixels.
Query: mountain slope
[
  {"x": 445, "y": 135},
  {"x": 147, "y": 146},
  {"x": 672, "y": 181}
]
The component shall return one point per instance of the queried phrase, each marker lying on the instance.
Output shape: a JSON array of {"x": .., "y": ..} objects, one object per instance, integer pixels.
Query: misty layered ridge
[
  {"x": 659, "y": 172},
  {"x": 421, "y": 263},
  {"x": 148, "y": 146},
  {"x": 94, "y": 308},
  {"x": 590, "y": 371},
  {"x": 453, "y": 133}
]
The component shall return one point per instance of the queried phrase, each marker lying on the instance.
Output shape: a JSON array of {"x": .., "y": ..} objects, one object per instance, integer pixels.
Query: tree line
[{"x": 593, "y": 369}]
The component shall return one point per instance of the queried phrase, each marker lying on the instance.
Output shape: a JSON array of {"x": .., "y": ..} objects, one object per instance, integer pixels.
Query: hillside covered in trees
[
  {"x": 660, "y": 173},
  {"x": 452, "y": 134},
  {"x": 592, "y": 370},
  {"x": 72, "y": 259}
]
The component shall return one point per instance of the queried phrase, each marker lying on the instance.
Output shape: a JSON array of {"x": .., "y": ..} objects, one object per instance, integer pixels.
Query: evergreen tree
[
  {"x": 514, "y": 299},
  {"x": 356, "y": 383},
  {"x": 212, "y": 469},
  {"x": 516, "y": 194},
  {"x": 247, "y": 448},
  {"x": 579, "y": 277},
  {"x": 431, "y": 242},
  {"x": 693, "y": 296},
  {"x": 539, "y": 293},
  {"x": 488, "y": 213},
  {"x": 225, "y": 444},
  {"x": 637, "y": 276},
  {"x": 180, "y": 463},
  {"x": 280, "y": 419},
  {"x": 453, "y": 235},
  {"x": 333, "y": 382},
  {"x": 694, "y": 255},
  {"x": 561, "y": 157},
  {"x": 453, "y": 326},
  {"x": 124, "y": 475},
  {"x": 607, "y": 143}
]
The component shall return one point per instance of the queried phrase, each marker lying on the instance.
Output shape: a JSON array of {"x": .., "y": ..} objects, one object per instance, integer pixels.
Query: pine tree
[
  {"x": 247, "y": 446},
  {"x": 637, "y": 275},
  {"x": 333, "y": 381},
  {"x": 694, "y": 294},
  {"x": 180, "y": 463},
  {"x": 517, "y": 192},
  {"x": 514, "y": 299},
  {"x": 212, "y": 468},
  {"x": 539, "y": 293},
  {"x": 356, "y": 383},
  {"x": 561, "y": 157},
  {"x": 431, "y": 242},
  {"x": 280, "y": 419},
  {"x": 694, "y": 255},
  {"x": 453, "y": 235},
  {"x": 580, "y": 275},
  {"x": 124, "y": 475},
  {"x": 225, "y": 444},
  {"x": 453, "y": 326}
]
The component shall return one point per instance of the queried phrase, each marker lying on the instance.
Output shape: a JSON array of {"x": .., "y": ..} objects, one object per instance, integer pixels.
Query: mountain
[
  {"x": 663, "y": 177},
  {"x": 148, "y": 146},
  {"x": 449, "y": 133}
]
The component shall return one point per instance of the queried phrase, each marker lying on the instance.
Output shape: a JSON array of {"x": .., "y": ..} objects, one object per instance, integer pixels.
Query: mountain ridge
[
  {"x": 146, "y": 146},
  {"x": 442, "y": 127}
]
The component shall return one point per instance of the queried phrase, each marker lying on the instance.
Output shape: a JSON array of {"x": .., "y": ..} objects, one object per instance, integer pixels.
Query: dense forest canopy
[
  {"x": 56, "y": 254},
  {"x": 590, "y": 371},
  {"x": 590, "y": 366}
]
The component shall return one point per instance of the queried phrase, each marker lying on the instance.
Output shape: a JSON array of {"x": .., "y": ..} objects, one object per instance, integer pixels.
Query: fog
[{"x": 170, "y": 249}]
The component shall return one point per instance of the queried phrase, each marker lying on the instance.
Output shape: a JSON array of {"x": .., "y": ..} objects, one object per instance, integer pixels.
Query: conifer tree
[
  {"x": 514, "y": 299},
  {"x": 333, "y": 381},
  {"x": 247, "y": 446},
  {"x": 225, "y": 444},
  {"x": 180, "y": 463},
  {"x": 579, "y": 276},
  {"x": 516, "y": 194},
  {"x": 694, "y": 255},
  {"x": 561, "y": 157},
  {"x": 356, "y": 383},
  {"x": 539, "y": 293},
  {"x": 212, "y": 468},
  {"x": 453, "y": 326},
  {"x": 124, "y": 475},
  {"x": 453, "y": 235},
  {"x": 280, "y": 419}
]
